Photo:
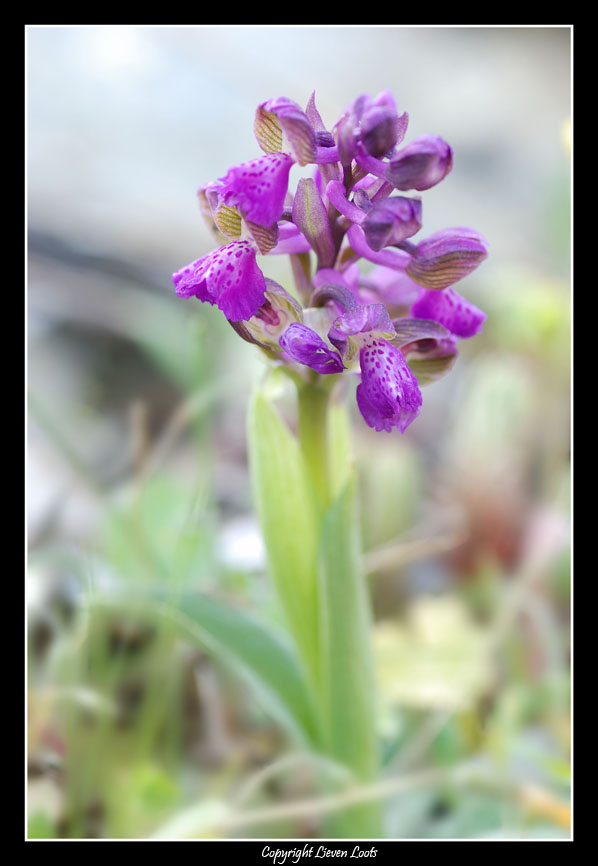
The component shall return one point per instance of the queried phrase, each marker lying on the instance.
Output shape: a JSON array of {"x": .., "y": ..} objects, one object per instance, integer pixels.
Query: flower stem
[
  {"x": 313, "y": 415},
  {"x": 345, "y": 670}
]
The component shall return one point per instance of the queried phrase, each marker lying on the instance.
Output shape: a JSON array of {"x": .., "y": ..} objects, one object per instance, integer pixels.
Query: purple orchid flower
[
  {"x": 371, "y": 125},
  {"x": 339, "y": 320},
  {"x": 420, "y": 165},
  {"x": 388, "y": 395}
]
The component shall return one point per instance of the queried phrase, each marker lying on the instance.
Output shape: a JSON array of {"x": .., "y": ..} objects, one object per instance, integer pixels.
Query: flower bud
[
  {"x": 446, "y": 257},
  {"x": 379, "y": 130},
  {"x": 391, "y": 221},
  {"x": 421, "y": 164}
]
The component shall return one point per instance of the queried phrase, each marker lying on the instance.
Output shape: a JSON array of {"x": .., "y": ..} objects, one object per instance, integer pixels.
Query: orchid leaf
[
  {"x": 347, "y": 667},
  {"x": 288, "y": 517}
]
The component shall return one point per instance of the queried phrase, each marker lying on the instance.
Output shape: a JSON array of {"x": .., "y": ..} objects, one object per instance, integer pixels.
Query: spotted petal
[
  {"x": 358, "y": 326},
  {"x": 457, "y": 314},
  {"x": 228, "y": 277},
  {"x": 258, "y": 187},
  {"x": 388, "y": 395}
]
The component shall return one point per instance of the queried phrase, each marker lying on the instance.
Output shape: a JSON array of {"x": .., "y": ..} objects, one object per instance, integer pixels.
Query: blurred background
[{"x": 137, "y": 468}]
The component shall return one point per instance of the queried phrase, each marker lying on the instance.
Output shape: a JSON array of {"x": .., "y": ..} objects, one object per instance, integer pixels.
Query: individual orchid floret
[
  {"x": 304, "y": 345},
  {"x": 374, "y": 126},
  {"x": 281, "y": 126},
  {"x": 258, "y": 188},
  {"x": 457, "y": 314},
  {"x": 420, "y": 165},
  {"x": 388, "y": 395},
  {"x": 228, "y": 277},
  {"x": 446, "y": 257},
  {"x": 381, "y": 127},
  {"x": 391, "y": 221}
]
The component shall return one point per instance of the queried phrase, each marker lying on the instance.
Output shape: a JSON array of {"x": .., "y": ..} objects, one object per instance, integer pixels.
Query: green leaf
[
  {"x": 340, "y": 460},
  {"x": 347, "y": 666},
  {"x": 348, "y": 673},
  {"x": 252, "y": 649},
  {"x": 288, "y": 517},
  {"x": 40, "y": 826}
]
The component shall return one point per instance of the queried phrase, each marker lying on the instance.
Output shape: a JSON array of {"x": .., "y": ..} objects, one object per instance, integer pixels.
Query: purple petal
[
  {"x": 305, "y": 346},
  {"x": 391, "y": 286},
  {"x": 387, "y": 99},
  {"x": 337, "y": 196},
  {"x": 421, "y": 164},
  {"x": 388, "y": 395},
  {"x": 458, "y": 315},
  {"x": 389, "y": 258},
  {"x": 228, "y": 277},
  {"x": 371, "y": 320},
  {"x": 290, "y": 241},
  {"x": 446, "y": 257},
  {"x": 392, "y": 220},
  {"x": 381, "y": 128},
  {"x": 326, "y": 155},
  {"x": 329, "y": 276},
  {"x": 313, "y": 115},
  {"x": 258, "y": 187},
  {"x": 370, "y": 163}
]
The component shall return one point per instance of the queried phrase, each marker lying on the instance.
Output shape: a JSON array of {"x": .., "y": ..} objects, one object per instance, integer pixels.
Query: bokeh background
[{"x": 137, "y": 467}]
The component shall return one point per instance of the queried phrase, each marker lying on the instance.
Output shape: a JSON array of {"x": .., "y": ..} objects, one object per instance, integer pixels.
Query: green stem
[
  {"x": 313, "y": 415},
  {"x": 345, "y": 682}
]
